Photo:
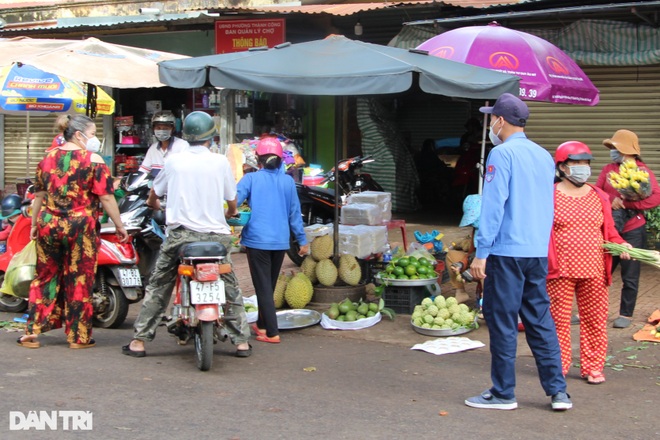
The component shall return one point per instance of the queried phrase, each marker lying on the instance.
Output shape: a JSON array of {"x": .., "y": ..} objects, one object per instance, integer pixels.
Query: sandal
[
  {"x": 596, "y": 378},
  {"x": 257, "y": 331},
  {"x": 28, "y": 343},
  {"x": 76, "y": 346},
  {"x": 270, "y": 339}
]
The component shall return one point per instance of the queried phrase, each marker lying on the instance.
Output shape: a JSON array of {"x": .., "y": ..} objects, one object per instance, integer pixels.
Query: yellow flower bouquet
[{"x": 631, "y": 181}]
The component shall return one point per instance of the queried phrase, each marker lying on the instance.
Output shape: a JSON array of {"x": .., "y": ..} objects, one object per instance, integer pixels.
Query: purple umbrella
[{"x": 546, "y": 72}]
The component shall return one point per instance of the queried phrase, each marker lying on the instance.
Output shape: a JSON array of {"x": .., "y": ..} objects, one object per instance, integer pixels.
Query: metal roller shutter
[
  {"x": 41, "y": 135},
  {"x": 42, "y": 132},
  {"x": 629, "y": 98}
]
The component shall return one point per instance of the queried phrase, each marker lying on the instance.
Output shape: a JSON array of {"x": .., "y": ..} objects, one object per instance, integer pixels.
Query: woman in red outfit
[
  {"x": 624, "y": 146},
  {"x": 70, "y": 182},
  {"x": 577, "y": 262}
]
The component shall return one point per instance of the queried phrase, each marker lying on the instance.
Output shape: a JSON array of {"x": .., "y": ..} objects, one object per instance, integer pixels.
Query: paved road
[{"x": 366, "y": 385}]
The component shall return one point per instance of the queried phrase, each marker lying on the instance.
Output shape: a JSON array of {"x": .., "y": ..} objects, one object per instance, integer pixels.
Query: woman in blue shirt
[{"x": 273, "y": 200}]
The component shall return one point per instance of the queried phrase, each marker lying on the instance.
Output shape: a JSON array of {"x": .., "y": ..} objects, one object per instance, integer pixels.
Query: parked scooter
[
  {"x": 18, "y": 238},
  {"x": 134, "y": 212},
  {"x": 200, "y": 308},
  {"x": 317, "y": 204},
  {"x": 117, "y": 284}
]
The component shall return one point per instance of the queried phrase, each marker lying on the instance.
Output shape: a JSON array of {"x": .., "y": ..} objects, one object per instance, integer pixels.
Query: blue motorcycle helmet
[{"x": 10, "y": 206}]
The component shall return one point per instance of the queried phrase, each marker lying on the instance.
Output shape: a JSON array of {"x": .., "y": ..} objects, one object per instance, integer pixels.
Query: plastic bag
[
  {"x": 418, "y": 251},
  {"x": 331, "y": 324},
  {"x": 21, "y": 271}
]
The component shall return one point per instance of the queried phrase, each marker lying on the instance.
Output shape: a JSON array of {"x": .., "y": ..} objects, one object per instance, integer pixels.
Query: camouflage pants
[{"x": 161, "y": 282}]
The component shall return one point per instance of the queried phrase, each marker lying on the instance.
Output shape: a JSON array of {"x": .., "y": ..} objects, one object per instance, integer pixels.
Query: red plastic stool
[{"x": 393, "y": 224}]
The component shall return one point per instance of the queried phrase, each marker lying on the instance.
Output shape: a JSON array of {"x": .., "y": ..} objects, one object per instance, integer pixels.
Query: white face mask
[
  {"x": 495, "y": 138},
  {"x": 93, "y": 144},
  {"x": 163, "y": 135},
  {"x": 578, "y": 174}
]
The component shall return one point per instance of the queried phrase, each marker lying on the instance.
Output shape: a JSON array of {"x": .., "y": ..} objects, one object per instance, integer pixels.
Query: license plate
[
  {"x": 129, "y": 278},
  {"x": 212, "y": 292}
]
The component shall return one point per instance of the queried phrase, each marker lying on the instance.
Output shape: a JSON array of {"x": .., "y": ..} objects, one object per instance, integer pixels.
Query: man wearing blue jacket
[{"x": 512, "y": 250}]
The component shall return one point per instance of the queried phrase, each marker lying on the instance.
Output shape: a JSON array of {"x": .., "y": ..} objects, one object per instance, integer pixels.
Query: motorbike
[
  {"x": 117, "y": 284},
  {"x": 317, "y": 204},
  {"x": 134, "y": 212},
  {"x": 200, "y": 308}
]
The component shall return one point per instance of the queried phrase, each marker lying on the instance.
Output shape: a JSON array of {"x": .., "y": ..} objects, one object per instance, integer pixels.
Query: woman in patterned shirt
[
  {"x": 70, "y": 182},
  {"x": 577, "y": 262}
]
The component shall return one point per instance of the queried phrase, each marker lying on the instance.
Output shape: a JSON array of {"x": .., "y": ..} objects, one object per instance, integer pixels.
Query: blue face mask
[{"x": 616, "y": 156}]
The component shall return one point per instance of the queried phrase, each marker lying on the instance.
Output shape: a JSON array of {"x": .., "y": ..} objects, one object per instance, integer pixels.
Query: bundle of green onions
[{"x": 643, "y": 255}]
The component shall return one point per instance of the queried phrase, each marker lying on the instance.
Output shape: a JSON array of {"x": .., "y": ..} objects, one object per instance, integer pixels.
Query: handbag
[{"x": 21, "y": 271}]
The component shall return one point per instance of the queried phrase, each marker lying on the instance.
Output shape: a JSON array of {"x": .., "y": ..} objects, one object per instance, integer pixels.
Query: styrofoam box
[
  {"x": 362, "y": 240},
  {"x": 361, "y": 214},
  {"x": 382, "y": 199}
]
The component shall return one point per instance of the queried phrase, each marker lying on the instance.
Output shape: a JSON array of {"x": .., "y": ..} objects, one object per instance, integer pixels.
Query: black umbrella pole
[{"x": 339, "y": 134}]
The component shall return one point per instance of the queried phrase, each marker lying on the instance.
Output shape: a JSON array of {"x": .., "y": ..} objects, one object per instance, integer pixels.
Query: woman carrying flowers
[{"x": 627, "y": 171}]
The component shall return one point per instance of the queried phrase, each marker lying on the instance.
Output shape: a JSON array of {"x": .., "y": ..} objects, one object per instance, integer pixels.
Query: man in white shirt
[
  {"x": 162, "y": 124},
  {"x": 197, "y": 184}
]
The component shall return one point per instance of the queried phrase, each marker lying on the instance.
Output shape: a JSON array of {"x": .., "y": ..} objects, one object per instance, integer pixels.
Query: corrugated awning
[
  {"x": 588, "y": 42},
  {"x": 220, "y": 13},
  {"x": 354, "y": 8}
]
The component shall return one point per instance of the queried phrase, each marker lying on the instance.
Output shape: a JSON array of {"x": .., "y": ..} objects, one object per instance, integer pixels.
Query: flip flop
[
  {"x": 76, "y": 346},
  {"x": 126, "y": 349},
  {"x": 270, "y": 339},
  {"x": 32, "y": 343},
  {"x": 257, "y": 331},
  {"x": 596, "y": 378},
  {"x": 244, "y": 353}
]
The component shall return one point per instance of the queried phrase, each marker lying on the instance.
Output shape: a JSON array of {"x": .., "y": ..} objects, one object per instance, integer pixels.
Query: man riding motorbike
[
  {"x": 162, "y": 124},
  {"x": 197, "y": 184}
]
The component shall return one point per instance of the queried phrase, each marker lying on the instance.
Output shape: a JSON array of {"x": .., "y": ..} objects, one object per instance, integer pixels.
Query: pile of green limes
[{"x": 409, "y": 268}]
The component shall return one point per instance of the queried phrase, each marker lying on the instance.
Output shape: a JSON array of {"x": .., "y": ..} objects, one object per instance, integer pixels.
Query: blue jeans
[{"x": 513, "y": 287}]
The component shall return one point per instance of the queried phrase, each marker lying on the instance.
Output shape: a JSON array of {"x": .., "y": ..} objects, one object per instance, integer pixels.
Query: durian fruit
[
  {"x": 322, "y": 247},
  {"x": 298, "y": 291},
  {"x": 308, "y": 267},
  {"x": 280, "y": 287},
  {"x": 349, "y": 270},
  {"x": 326, "y": 272}
]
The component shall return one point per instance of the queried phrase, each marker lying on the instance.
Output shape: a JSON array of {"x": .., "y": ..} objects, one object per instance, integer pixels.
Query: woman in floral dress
[
  {"x": 70, "y": 182},
  {"x": 577, "y": 262}
]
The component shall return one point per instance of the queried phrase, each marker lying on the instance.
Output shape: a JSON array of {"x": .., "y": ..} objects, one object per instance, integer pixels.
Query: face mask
[
  {"x": 163, "y": 135},
  {"x": 579, "y": 174},
  {"x": 93, "y": 144},
  {"x": 495, "y": 138},
  {"x": 616, "y": 156}
]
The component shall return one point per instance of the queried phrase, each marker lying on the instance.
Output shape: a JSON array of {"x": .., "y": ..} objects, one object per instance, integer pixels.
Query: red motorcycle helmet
[
  {"x": 269, "y": 145},
  {"x": 572, "y": 150}
]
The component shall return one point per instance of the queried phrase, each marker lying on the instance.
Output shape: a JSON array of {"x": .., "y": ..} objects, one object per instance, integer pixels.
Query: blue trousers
[{"x": 513, "y": 287}]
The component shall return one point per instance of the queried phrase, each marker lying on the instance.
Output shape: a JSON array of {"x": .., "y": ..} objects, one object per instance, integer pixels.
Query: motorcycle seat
[{"x": 203, "y": 249}]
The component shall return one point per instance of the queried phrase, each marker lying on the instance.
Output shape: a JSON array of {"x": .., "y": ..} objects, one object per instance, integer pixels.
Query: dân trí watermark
[{"x": 51, "y": 420}]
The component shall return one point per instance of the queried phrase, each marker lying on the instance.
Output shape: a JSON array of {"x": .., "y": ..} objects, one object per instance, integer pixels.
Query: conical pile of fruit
[
  {"x": 443, "y": 314},
  {"x": 349, "y": 311}
]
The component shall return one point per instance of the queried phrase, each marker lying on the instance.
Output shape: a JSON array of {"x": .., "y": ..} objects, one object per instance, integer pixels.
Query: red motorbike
[
  {"x": 117, "y": 284},
  {"x": 317, "y": 205},
  {"x": 200, "y": 307}
]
